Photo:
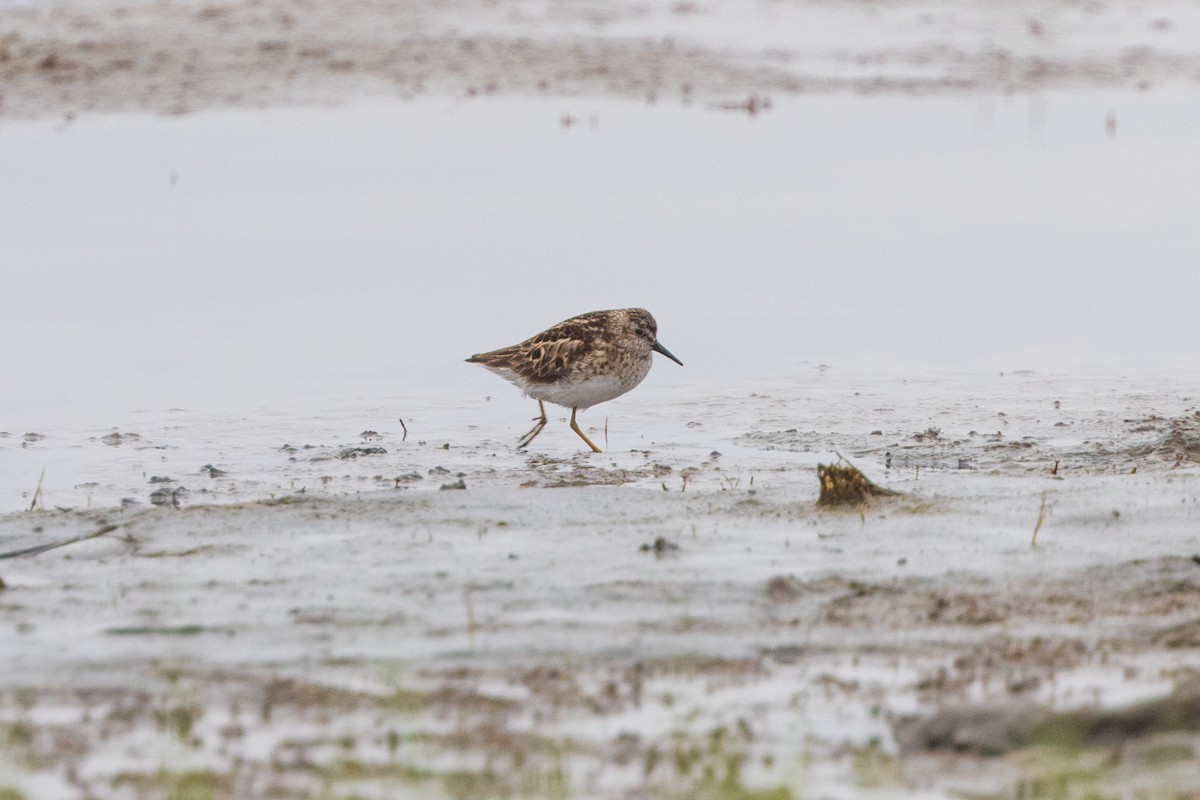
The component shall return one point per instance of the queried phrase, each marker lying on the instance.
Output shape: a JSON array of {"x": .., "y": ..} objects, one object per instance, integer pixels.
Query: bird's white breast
[{"x": 585, "y": 392}]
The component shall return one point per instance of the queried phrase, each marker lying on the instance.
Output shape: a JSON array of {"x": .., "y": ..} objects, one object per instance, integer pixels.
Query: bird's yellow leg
[
  {"x": 541, "y": 423},
  {"x": 575, "y": 427}
]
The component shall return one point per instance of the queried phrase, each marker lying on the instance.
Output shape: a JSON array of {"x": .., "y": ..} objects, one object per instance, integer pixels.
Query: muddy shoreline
[
  {"x": 671, "y": 621},
  {"x": 167, "y": 58},
  {"x": 487, "y": 653}
]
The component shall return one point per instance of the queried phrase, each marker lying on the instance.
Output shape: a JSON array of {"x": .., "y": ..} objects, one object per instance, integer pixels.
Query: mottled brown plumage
[
  {"x": 580, "y": 362},
  {"x": 546, "y": 358}
]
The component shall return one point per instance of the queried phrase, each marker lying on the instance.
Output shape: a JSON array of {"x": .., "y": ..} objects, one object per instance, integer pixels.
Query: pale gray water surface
[{"x": 224, "y": 259}]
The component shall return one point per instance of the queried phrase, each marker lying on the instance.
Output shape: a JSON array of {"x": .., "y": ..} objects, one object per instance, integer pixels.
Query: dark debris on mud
[
  {"x": 1176, "y": 440},
  {"x": 1152, "y": 442},
  {"x": 558, "y": 473},
  {"x": 993, "y": 730},
  {"x": 843, "y": 484}
]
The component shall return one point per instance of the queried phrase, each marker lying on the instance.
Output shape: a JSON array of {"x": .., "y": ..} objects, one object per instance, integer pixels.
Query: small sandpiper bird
[{"x": 580, "y": 362}]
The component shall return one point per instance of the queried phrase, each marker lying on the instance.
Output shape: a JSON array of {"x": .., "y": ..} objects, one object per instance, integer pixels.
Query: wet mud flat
[
  {"x": 175, "y": 58},
  {"x": 676, "y": 620}
]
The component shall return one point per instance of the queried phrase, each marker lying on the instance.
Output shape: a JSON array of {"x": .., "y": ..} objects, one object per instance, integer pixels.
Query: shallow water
[
  {"x": 226, "y": 259},
  {"x": 893, "y": 424},
  {"x": 318, "y": 273}
]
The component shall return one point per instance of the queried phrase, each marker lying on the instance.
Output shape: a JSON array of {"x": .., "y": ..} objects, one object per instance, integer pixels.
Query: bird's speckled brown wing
[{"x": 550, "y": 355}]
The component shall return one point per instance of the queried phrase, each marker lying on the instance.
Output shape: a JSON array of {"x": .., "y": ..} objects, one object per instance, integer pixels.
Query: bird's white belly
[{"x": 584, "y": 393}]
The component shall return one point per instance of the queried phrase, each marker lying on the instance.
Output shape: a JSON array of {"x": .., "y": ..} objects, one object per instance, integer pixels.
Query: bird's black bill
[{"x": 658, "y": 348}]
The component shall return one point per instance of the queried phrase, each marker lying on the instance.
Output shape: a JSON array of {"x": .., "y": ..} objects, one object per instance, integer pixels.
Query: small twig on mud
[
  {"x": 1041, "y": 518},
  {"x": 472, "y": 625},
  {"x": 1055, "y": 470},
  {"x": 41, "y": 548},
  {"x": 404, "y": 428},
  {"x": 751, "y": 105},
  {"x": 37, "y": 493},
  {"x": 606, "y": 433}
]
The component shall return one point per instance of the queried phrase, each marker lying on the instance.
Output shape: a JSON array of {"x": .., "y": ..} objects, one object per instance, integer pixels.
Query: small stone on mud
[
  {"x": 211, "y": 471},
  {"x": 439, "y": 471},
  {"x": 163, "y": 497},
  {"x": 985, "y": 731},
  {"x": 660, "y": 547},
  {"x": 351, "y": 453},
  {"x": 784, "y": 589},
  {"x": 161, "y": 479},
  {"x": 1108, "y": 727},
  {"x": 458, "y": 484}
]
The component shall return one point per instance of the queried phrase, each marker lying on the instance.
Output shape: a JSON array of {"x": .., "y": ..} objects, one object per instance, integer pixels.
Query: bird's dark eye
[{"x": 640, "y": 332}]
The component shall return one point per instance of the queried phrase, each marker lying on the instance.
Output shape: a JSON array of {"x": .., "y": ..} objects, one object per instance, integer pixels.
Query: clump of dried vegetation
[{"x": 843, "y": 484}]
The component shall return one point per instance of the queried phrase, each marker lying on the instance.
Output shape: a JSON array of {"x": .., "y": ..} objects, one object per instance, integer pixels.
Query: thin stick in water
[
  {"x": 1041, "y": 518},
  {"x": 37, "y": 493}
]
